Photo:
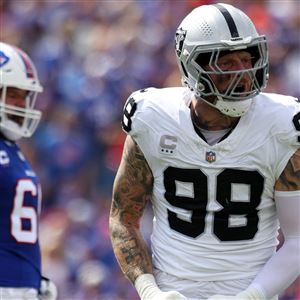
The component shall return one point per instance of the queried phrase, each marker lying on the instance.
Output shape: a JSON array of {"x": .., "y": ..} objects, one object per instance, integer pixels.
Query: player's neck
[{"x": 207, "y": 117}]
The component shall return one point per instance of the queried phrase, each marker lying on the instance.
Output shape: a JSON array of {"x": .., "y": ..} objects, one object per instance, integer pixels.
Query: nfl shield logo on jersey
[{"x": 210, "y": 156}]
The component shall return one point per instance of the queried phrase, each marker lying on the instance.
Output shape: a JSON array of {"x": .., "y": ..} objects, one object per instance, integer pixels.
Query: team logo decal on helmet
[
  {"x": 179, "y": 39},
  {"x": 3, "y": 59}
]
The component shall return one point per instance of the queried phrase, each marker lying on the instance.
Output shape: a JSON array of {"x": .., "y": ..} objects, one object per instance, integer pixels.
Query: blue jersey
[{"x": 20, "y": 259}]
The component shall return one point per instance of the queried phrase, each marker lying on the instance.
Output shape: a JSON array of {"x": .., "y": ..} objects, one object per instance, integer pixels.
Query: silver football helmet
[
  {"x": 206, "y": 34},
  {"x": 18, "y": 71}
]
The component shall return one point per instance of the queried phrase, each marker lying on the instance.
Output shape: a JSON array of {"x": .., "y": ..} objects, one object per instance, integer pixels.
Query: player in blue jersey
[{"x": 20, "y": 257}]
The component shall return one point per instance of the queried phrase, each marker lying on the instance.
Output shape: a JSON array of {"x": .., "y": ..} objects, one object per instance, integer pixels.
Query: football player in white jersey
[{"x": 220, "y": 162}]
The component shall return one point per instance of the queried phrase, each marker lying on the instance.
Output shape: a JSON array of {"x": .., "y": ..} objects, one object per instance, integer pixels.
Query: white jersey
[{"x": 214, "y": 213}]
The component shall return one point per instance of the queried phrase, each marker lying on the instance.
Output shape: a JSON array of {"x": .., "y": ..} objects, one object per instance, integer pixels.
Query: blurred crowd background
[{"x": 91, "y": 55}]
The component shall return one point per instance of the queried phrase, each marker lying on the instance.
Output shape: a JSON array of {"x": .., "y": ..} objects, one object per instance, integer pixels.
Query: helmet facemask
[
  {"x": 206, "y": 86},
  {"x": 16, "y": 121}
]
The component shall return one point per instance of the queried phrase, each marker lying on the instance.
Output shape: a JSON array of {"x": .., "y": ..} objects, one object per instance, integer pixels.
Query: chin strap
[
  {"x": 11, "y": 134},
  {"x": 229, "y": 108}
]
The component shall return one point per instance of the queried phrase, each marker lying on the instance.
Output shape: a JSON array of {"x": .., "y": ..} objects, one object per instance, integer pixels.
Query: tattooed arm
[{"x": 131, "y": 192}]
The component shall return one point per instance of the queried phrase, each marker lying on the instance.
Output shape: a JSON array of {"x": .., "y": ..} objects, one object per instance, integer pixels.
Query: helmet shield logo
[{"x": 179, "y": 40}]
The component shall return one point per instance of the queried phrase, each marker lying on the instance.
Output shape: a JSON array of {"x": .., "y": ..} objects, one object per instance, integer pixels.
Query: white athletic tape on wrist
[{"x": 146, "y": 286}]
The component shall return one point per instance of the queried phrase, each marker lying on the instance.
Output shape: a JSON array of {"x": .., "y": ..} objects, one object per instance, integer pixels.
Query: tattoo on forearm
[
  {"x": 131, "y": 192},
  {"x": 289, "y": 180},
  {"x": 130, "y": 252}
]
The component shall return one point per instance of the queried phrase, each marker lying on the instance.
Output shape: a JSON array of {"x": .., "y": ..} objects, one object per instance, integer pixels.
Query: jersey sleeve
[{"x": 142, "y": 122}]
